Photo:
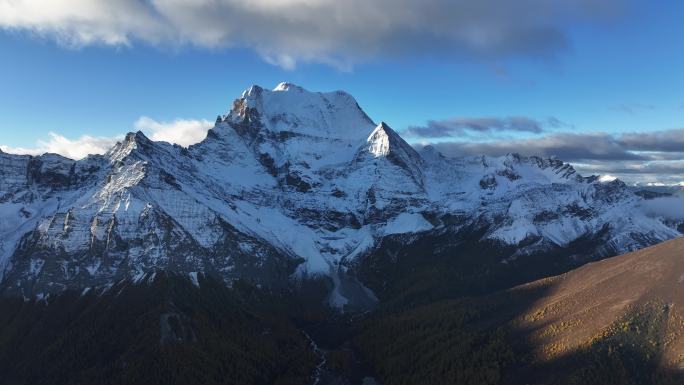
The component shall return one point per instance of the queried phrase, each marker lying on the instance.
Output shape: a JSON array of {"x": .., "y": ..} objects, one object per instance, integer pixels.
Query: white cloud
[
  {"x": 82, "y": 22},
  {"x": 180, "y": 131},
  {"x": 334, "y": 32},
  {"x": 74, "y": 149}
]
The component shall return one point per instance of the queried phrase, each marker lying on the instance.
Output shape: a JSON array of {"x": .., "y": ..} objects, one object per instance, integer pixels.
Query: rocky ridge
[{"x": 288, "y": 185}]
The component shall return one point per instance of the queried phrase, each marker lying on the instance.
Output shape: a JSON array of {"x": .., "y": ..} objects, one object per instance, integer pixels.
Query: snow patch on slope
[{"x": 407, "y": 223}]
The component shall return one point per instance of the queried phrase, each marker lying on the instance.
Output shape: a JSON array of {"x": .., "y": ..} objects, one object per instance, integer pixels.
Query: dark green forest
[
  {"x": 474, "y": 341},
  {"x": 164, "y": 332},
  {"x": 426, "y": 330}
]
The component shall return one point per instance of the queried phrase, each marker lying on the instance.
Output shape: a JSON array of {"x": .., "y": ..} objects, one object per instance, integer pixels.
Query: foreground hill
[
  {"x": 630, "y": 306},
  {"x": 617, "y": 321}
]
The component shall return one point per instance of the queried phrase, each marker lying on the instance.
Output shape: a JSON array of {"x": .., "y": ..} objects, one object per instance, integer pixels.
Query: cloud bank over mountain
[
  {"x": 183, "y": 132},
  {"x": 180, "y": 131},
  {"x": 71, "y": 148},
  {"x": 633, "y": 156}
]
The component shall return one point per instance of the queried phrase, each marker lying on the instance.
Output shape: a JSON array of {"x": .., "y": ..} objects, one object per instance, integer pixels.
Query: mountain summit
[{"x": 291, "y": 185}]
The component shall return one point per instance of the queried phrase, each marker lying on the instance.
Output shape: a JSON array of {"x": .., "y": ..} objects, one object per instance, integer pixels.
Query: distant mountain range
[
  {"x": 659, "y": 189},
  {"x": 290, "y": 185}
]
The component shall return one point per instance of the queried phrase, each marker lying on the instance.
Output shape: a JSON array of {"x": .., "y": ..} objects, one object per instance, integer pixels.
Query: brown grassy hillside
[
  {"x": 584, "y": 304},
  {"x": 618, "y": 321}
]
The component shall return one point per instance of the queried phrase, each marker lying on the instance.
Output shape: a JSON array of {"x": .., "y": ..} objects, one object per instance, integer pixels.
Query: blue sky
[{"x": 604, "y": 73}]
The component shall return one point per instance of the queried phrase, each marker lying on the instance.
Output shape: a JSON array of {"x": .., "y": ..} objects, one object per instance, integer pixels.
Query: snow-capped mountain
[{"x": 288, "y": 184}]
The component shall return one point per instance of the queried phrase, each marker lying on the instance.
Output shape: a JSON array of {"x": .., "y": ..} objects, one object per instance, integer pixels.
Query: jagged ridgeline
[{"x": 293, "y": 184}]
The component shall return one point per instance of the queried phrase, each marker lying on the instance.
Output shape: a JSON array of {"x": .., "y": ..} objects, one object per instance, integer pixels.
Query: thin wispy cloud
[
  {"x": 657, "y": 145},
  {"x": 566, "y": 146},
  {"x": 339, "y": 33},
  {"x": 644, "y": 156},
  {"x": 462, "y": 126}
]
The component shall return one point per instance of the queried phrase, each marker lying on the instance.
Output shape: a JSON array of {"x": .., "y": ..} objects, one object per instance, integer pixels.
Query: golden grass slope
[{"x": 636, "y": 294}]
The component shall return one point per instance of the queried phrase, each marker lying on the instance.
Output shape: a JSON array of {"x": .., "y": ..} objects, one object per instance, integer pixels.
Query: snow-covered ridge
[
  {"x": 290, "y": 108},
  {"x": 288, "y": 184}
]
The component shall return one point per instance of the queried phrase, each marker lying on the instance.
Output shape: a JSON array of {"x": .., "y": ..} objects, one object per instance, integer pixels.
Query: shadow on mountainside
[
  {"x": 628, "y": 352},
  {"x": 402, "y": 274},
  {"x": 480, "y": 340}
]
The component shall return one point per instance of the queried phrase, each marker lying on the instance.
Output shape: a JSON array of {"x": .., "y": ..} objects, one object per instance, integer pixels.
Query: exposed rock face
[{"x": 288, "y": 184}]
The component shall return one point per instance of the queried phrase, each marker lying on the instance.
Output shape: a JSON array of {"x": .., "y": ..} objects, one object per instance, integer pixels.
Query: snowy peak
[
  {"x": 285, "y": 86},
  {"x": 562, "y": 169},
  {"x": 293, "y": 133},
  {"x": 289, "y": 181},
  {"x": 293, "y": 110},
  {"x": 132, "y": 142},
  {"x": 379, "y": 140},
  {"x": 384, "y": 142}
]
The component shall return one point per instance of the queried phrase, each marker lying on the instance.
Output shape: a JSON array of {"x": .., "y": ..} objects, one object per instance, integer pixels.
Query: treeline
[
  {"x": 435, "y": 344},
  {"x": 405, "y": 275}
]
